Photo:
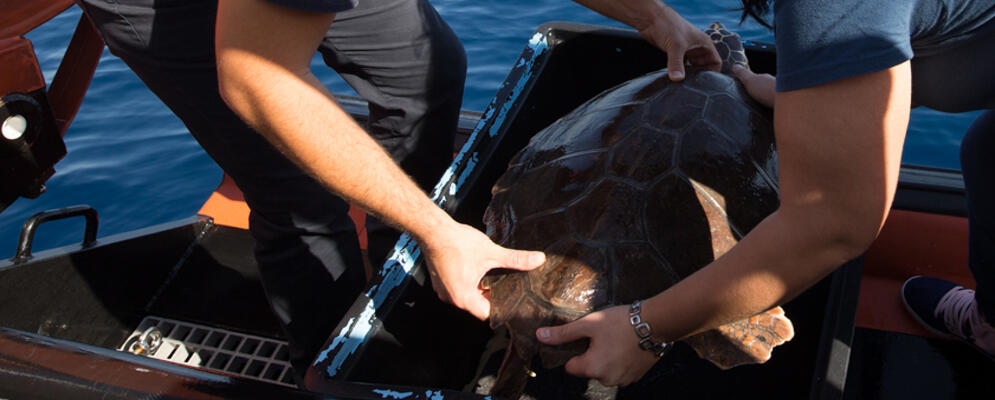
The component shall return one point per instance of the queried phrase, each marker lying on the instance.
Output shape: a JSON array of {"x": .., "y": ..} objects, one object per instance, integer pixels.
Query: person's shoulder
[{"x": 819, "y": 42}]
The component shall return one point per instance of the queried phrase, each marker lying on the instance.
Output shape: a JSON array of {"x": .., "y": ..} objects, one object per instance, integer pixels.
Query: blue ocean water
[{"x": 133, "y": 161}]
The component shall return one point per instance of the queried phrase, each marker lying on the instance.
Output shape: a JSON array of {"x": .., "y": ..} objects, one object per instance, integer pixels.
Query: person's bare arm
[
  {"x": 839, "y": 151},
  {"x": 263, "y": 56},
  {"x": 664, "y": 28}
]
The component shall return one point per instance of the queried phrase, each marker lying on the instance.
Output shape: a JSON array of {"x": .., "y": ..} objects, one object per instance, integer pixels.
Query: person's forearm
[
  {"x": 275, "y": 93},
  {"x": 638, "y": 14},
  {"x": 784, "y": 255},
  {"x": 839, "y": 151},
  {"x": 323, "y": 139},
  {"x": 263, "y": 57}
]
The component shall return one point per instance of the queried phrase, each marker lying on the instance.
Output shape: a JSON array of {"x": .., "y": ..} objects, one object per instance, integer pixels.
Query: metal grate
[{"x": 233, "y": 353}]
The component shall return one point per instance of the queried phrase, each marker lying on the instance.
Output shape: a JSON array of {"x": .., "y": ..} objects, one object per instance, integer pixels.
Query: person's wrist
[
  {"x": 430, "y": 224},
  {"x": 644, "y": 332},
  {"x": 656, "y": 16}
]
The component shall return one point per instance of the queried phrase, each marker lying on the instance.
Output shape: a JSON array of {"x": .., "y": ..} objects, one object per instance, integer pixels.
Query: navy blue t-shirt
[
  {"x": 821, "y": 41},
  {"x": 327, "y": 6}
]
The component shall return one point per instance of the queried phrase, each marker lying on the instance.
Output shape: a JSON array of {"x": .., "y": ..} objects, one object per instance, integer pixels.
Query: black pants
[
  {"x": 398, "y": 54},
  {"x": 957, "y": 80}
]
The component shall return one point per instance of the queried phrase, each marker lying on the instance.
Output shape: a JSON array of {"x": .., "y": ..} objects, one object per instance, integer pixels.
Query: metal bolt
[
  {"x": 14, "y": 127},
  {"x": 147, "y": 343}
]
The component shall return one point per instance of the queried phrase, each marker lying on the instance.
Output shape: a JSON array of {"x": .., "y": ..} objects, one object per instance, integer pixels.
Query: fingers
[
  {"x": 760, "y": 86},
  {"x": 742, "y": 72},
  {"x": 521, "y": 260},
  {"x": 759, "y": 81},
  {"x": 458, "y": 259},
  {"x": 675, "y": 65},
  {"x": 697, "y": 50},
  {"x": 478, "y": 305},
  {"x": 554, "y": 335},
  {"x": 612, "y": 357},
  {"x": 706, "y": 56},
  {"x": 472, "y": 302},
  {"x": 585, "y": 365},
  {"x": 580, "y": 366}
]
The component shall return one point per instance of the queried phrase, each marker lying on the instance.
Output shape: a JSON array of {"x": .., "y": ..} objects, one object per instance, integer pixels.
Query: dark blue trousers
[
  {"x": 978, "y": 164},
  {"x": 957, "y": 80},
  {"x": 308, "y": 254}
]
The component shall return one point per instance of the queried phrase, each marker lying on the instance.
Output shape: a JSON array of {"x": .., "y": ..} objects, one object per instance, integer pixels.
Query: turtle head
[{"x": 729, "y": 46}]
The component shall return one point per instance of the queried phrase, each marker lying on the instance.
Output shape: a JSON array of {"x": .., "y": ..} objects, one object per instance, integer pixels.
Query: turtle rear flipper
[{"x": 748, "y": 341}]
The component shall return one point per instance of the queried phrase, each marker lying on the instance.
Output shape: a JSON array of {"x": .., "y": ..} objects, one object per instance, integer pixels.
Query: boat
[{"x": 176, "y": 310}]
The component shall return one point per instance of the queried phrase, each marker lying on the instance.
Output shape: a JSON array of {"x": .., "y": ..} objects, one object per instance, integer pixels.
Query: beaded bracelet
[{"x": 644, "y": 332}]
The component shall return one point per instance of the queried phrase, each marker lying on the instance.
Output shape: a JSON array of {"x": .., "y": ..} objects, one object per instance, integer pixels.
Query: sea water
[{"x": 135, "y": 163}]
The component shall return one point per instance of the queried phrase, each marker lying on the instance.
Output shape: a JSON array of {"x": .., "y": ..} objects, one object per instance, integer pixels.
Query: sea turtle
[{"x": 629, "y": 193}]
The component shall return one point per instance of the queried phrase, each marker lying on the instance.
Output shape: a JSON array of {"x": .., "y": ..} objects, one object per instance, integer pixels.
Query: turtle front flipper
[
  {"x": 748, "y": 341},
  {"x": 512, "y": 376},
  {"x": 729, "y": 45}
]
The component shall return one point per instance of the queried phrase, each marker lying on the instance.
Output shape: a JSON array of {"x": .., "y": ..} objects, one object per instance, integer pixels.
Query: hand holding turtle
[
  {"x": 613, "y": 356},
  {"x": 680, "y": 40},
  {"x": 760, "y": 86},
  {"x": 458, "y": 256},
  {"x": 666, "y": 29}
]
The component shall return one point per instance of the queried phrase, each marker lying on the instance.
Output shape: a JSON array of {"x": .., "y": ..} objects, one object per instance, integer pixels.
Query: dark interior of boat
[{"x": 91, "y": 299}]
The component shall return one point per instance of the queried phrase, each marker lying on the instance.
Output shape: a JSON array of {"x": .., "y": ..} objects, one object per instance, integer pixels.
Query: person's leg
[
  {"x": 978, "y": 166},
  {"x": 307, "y": 249},
  {"x": 405, "y": 60},
  {"x": 944, "y": 307},
  {"x": 951, "y": 81}
]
